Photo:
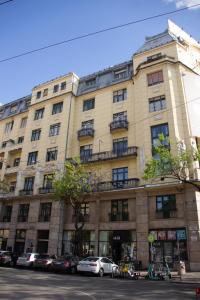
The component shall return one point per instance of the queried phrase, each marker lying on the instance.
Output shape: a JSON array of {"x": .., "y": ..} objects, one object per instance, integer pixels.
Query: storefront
[
  {"x": 170, "y": 245},
  {"x": 42, "y": 241},
  {"x": 88, "y": 242},
  {"x": 118, "y": 244},
  {"x": 4, "y": 233}
]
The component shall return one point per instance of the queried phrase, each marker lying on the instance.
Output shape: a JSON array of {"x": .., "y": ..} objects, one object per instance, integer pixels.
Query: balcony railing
[
  {"x": 44, "y": 218},
  {"x": 117, "y": 185},
  {"x": 85, "y": 132},
  {"x": 25, "y": 192},
  {"x": 119, "y": 124},
  {"x": 108, "y": 155},
  {"x": 22, "y": 219},
  {"x": 118, "y": 217},
  {"x": 166, "y": 214},
  {"x": 45, "y": 190},
  {"x": 6, "y": 219},
  {"x": 82, "y": 218}
]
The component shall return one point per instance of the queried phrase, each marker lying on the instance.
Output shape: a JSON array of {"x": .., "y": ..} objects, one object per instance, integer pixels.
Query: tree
[
  {"x": 74, "y": 186},
  {"x": 164, "y": 164}
]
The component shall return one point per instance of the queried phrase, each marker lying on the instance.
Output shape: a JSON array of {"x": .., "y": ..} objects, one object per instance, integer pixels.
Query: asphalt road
[{"x": 31, "y": 285}]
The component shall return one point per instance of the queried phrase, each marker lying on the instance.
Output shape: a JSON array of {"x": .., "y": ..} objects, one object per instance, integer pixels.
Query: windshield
[{"x": 90, "y": 259}]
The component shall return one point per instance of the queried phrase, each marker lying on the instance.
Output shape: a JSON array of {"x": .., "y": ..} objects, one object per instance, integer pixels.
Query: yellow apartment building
[{"x": 110, "y": 119}]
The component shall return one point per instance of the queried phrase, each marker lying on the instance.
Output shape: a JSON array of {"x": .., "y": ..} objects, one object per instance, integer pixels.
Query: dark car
[
  {"x": 65, "y": 264},
  {"x": 44, "y": 261},
  {"x": 6, "y": 258}
]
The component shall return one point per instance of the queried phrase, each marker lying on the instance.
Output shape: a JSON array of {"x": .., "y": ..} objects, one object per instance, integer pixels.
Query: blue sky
[{"x": 29, "y": 24}]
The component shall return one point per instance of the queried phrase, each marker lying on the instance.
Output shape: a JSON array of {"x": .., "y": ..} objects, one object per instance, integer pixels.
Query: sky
[{"x": 30, "y": 24}]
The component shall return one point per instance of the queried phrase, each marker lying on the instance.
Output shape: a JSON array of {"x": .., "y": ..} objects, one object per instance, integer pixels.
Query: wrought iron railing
[
  {"x": 118, "y": 217},
  {"x": 119, "y": 124},
  {"x": 117, "y": 185},
  {"x": 45, "y": 190},
  {"x": 25, "y": 192},
  {"x": 84, "y": 132}
]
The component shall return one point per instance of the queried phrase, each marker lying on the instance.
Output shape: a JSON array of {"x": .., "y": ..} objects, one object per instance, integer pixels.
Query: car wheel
[{"x": 101, "y": 272}]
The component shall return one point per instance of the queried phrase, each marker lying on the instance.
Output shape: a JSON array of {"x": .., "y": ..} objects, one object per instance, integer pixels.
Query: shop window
[
  {"x": 39, "y": 114},
  {"x": 52, "y": 154},
  {"x": 119, "y": 210},
  {"x": 45, "y": 212},
  {"x": 6, "y": 213},
  {"x": 155, "y": 78},
  {"x": 119, "y": 95},
  {"x": 4, "y": 234},
  {"x": 88, "y": 104},
  {"x": 57, "y": 108},
  {"x": 23, "y": 213}
]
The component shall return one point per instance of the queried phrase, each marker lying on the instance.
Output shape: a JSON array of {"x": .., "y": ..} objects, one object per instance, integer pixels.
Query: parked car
[
  {"x": 44, "y": 261},
  {"x": 27, "y": 259},
  {"x": 96, "y": 265},
  {"x": 65, "y": 264},
  {"x": 5, "y": 258}
]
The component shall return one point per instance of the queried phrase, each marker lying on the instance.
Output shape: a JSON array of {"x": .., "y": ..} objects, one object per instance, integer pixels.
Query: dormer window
[
  {"x": 91, "y": 82},
  {"x": 13, "y": 109},
  {"x": 120, "y": 74},
  {"x": 38, "y": 95}
]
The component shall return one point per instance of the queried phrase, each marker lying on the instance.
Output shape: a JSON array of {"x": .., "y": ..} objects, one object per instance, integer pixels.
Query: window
[
  {"x": 38, "y": 95},
  {"x": 157, "y": 103},
  {"x": 48, "y": 181},
  {"x": 6, "y": 213},
  {"x": 166, "y": 204},
  {"x": 9, "y": 127},
  {"x": 88, "y": 104},
  {"x": 85, "y": 209},
  {"x": 63, "y": 85},
  {"x": 39, "y": 114},
  {"x": 52, "y": 154},
  {"x": 23, "y": 213},
  {"x": 32, "y": 158},
  {"x": 119, "y": 95},
  {"x": 45, "y": 212},
  {"x": 156, "y": 131},
  {"x": 120, "y": 174},
  {"x": 16, "y": 162},
  {"x": 23, "y": 122},
  {"x": 35, "y": 136},
  {"x": 91, "y": 82},
  {"x": 20, "y": 139},
  {"x": 119, "y": 210},
  {"x": 29, "y": 183},
  {"x": 12, "y": 186},
  {"x": 57, "y": 108},
  {"x": 87, "y": 124},
  {"x": 120, "y": 74},
  {"x": 13, "y": 109},
  {"x": 4, "y": 144},
  {"x": 55, "y": 88},
  {"x": 85, "y": 151},
  {"x": 121, "y": 116},
  {"x": 120, "y": 145},
  {"x": 155, "y": 78},
  {"x": 54, "y": 129},
  {"x": 45, "y": 92}
]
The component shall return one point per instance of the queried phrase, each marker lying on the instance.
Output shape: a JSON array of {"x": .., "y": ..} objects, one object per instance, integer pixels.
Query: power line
[
  {"x": 96, "y": 32},
  {"x": 6, "y": 2}
]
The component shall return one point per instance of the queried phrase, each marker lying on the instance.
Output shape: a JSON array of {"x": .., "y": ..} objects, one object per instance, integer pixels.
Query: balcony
[
  {"x": 118, "y": 217},
  {"x": 166, "y": 214},
  {"x": 25, "y": 192},
  {"x": 11, "y": 170},
  {"x": 117, "y": 185},
  {"x": 108, "y": 155},
  {"x": 85, "y": 132},
  {"x": 118, "y": 124},
  {"x": 45, "y": 190}
]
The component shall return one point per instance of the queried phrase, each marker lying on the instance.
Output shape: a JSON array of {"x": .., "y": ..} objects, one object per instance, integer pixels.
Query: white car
[
  {"x": 96, "y": 265},
  {"x": 27, "y": 259}
]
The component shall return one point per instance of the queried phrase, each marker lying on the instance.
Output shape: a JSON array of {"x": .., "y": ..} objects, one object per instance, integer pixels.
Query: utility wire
[
  {"x": 1, "y": 3},
  {"x": 97, "y": 32}
]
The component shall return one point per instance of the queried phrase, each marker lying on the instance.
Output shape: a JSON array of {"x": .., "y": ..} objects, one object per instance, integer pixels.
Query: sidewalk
[{"x": 189, "y": 277}]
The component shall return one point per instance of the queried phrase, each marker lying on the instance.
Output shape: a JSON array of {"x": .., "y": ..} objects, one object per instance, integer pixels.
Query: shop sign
[{"x": 181, "y": 234}]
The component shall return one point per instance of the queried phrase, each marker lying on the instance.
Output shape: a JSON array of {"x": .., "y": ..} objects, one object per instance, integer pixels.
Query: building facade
[{"x": 110, "y": 119}]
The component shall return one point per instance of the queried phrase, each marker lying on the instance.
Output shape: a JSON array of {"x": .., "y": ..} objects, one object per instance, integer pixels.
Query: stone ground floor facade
[{"x": 117, "y": 224}]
